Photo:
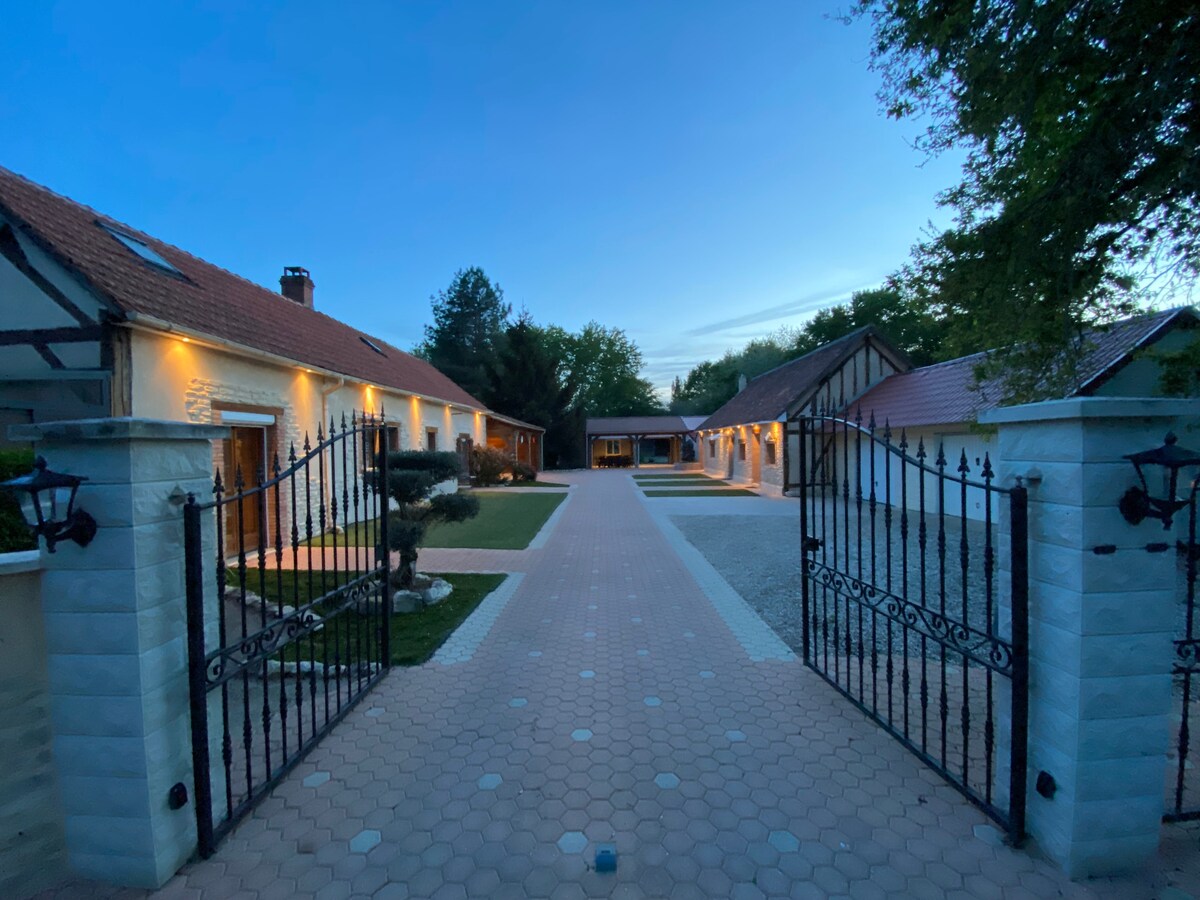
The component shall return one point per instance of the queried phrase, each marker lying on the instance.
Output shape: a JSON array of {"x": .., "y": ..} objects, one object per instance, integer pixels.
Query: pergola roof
[{"x": 645, "y": 426}]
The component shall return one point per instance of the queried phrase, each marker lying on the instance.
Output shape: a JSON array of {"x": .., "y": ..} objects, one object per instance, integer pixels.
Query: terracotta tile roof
[
  {"x": 768, "y": 396},
  {"x": 637, "y": 425},
  {"x": 208, "y": 299},
  {"x": 944, "y": 393}
]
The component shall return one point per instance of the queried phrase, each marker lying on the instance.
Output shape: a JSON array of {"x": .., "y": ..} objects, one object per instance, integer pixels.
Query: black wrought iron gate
[
  {"x": 1183, "y": 793},
  {"x": 288, "y": 621},
  {"x": 915, "y": 600}
]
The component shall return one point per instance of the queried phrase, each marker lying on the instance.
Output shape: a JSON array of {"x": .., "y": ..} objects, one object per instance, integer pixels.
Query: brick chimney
[{"x": 296, "y": 285}]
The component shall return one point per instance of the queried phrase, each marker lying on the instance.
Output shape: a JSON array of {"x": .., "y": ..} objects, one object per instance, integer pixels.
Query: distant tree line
[
  {"x": 907, "y": 323},
  {"x": 541, "y": 374}
]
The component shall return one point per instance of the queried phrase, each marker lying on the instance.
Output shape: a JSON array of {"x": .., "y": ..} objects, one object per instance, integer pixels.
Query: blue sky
[{"x": 694, "y": 173}]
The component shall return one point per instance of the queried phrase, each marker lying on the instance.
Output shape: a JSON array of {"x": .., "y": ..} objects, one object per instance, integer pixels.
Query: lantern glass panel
[
  {"x": 61, "y": 502},
  {"x": 29, "y": 508}
]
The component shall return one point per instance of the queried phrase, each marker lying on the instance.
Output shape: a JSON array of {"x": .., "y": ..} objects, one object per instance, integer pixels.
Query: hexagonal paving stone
[
  {"x": 572, "y": 842},
  {"x": 587, "y": 673},
  {"x": 581, "y": 734},
  {"x": 636, "y": 620},
  {"x": 784, "y": 841},
  {"x": 489, "y": 782},
  {"x": 653, "y": 701},
  {"x": 534, "y": 654},
  {"x": 316, "y": 779},
  {"x": 365, "y": 840},
  {"x": 666, "y": 780},
  {"x": 643, "y": 653},
  {"x": 708, "y": 674},
  {"x": 589, "y": 634},
  {"x": 735, "y": 735},
  {"x": 517, "y": 702}
]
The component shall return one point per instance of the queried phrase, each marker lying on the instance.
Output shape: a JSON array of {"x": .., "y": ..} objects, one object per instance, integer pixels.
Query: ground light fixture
[
  {"x": 1137, "y": 503},
  {"x": 47, "y": 501}
]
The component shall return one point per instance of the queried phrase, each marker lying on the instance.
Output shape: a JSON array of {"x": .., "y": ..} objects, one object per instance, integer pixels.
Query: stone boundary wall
[{"x": 32, "y": 840}]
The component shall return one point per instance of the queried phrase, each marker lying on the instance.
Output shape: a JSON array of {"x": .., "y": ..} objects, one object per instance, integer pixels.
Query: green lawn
[
  {"x": 522, "y": 484},
  {"x": 415, "y": 637},
  {"x": 679, "y": 482},
  {"x": 736, "y": 492},
  {"x": 506, "y": 521}
]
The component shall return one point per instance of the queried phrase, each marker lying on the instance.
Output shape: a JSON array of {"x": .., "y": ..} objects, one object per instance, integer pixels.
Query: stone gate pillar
[
  {"x": 1101, "y": 625},
  {"x": 116, "y": 635}
]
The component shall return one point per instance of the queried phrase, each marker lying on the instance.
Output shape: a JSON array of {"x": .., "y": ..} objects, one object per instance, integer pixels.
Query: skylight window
[
  {"x": 370, "y": 343},
  {"x": 141, "y": 248}
]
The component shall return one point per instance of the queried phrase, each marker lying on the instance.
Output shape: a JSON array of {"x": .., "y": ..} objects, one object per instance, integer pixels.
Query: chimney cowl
[
  {"x": 741, "y": 382},
  {"x": 296, "y": 286}
]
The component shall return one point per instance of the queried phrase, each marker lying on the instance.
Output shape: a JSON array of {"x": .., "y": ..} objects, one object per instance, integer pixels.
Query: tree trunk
[{"x": 407, "y": 570}]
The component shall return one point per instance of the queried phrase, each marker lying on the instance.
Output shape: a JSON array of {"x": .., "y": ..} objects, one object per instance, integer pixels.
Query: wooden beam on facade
[
  {"x": 11, "y": 250},
  {"x": 65, "y": 335}
]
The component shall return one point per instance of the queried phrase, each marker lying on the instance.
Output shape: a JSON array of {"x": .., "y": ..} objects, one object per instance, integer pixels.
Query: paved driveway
[{"x": 617, "y": 692}]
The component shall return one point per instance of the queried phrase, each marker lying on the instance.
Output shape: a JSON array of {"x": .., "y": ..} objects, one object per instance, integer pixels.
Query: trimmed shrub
[
  {"x": 489, "y": 464},
  {"x": 15, "y": 535},
  {"x": 522, "y": 472}
]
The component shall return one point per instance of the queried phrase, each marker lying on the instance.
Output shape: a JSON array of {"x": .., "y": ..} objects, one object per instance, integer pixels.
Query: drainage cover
[{"x": 606, "y": 858}]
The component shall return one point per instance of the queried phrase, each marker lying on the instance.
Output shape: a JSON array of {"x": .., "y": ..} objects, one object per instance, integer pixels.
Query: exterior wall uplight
[
  {"x": 46, "y": 496},
  {"x": 1137, "y": 504}
]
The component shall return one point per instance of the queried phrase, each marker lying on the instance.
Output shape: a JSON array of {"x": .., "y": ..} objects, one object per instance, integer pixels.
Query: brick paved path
[{"x": 610, "y": 702}]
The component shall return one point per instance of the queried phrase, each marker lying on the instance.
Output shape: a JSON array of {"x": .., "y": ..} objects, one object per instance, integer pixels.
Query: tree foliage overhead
[
  {"x": 469, "y": 319},
  {"x": 1080, "y": 120}
]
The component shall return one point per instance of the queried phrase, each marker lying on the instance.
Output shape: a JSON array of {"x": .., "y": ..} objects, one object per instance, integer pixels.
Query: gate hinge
[{"x": 811, "y": 544}]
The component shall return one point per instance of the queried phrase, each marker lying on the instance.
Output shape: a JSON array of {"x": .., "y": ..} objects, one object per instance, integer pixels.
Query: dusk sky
[{"x": 694, "y": 173}]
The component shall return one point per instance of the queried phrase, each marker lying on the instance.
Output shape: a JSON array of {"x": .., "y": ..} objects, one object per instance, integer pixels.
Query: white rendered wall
[{"x": 32, "y": 841}]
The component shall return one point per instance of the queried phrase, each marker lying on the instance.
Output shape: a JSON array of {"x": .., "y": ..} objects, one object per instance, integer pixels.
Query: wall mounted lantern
[
  {"x": 47, "y": 502},
  {"x": 1137, "y": 504}
]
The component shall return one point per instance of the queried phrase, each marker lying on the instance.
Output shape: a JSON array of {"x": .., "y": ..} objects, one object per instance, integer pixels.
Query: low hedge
[{"x": 14, "y": 533}]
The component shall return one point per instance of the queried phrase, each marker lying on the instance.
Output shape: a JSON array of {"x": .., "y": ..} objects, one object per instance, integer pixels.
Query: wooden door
[{"x": 245, "y": 450}]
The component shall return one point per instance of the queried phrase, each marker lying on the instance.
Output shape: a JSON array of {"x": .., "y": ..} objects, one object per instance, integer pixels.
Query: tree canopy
[
  {"x": 530, "y": 380},
  {"x": 605, "y": 366},
  {"x": 1080, "y": 121},
  {"x": 469, "y": 319}
]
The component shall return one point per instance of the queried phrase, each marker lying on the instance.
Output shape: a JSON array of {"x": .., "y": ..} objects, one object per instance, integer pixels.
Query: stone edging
[
  {"x": 757, "y": 638},
  {"x": 465, "y": 640}
]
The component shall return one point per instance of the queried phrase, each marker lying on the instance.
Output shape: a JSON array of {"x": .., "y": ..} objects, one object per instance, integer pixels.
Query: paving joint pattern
[
  {"x": 461, "y": 645},
  {"x": 755, "y": 636}
]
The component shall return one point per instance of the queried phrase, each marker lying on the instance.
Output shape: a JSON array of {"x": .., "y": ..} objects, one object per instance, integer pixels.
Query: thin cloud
[{"x": 792, "y": 307}]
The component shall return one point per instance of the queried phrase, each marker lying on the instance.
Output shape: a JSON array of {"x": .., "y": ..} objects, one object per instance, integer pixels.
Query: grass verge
[
  {"x": 718, "y": 492},
  {"x": 506, "y": 521},
  {"x": 415, "y": 636},
  {"x": 523, "y": 484}
]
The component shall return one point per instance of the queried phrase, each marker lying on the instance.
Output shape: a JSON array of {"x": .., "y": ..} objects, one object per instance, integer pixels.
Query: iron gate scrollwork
[
  {"x": 915, "y": 600},
  {"x": 288, "y": 628}
]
